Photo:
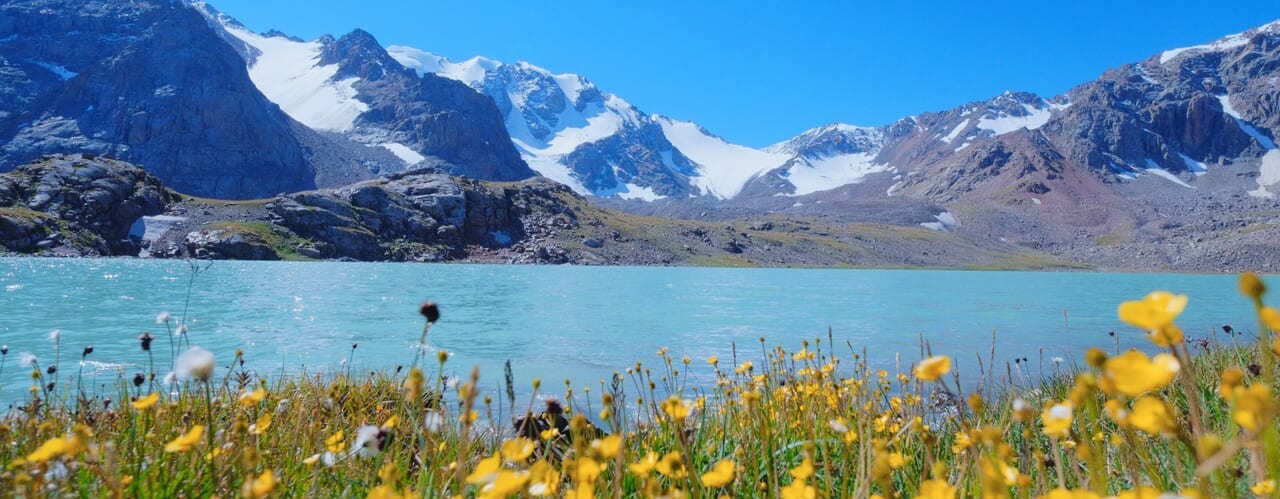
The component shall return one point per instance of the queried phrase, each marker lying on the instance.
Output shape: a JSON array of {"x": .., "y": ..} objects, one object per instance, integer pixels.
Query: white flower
[
  {"x": 838, "y": 426},
  {"x": 1021, "y": 405},
  {"x": 1060, "y": 411},
  {"x": 27, "y": 359},
  {"x": 433, "y": 422},
  {"x": 369, "y": 440},
  {"x": 1058, "y": 360},
  {"x": 171, "y": 378},
  {"x": 195, "y": 363},
  {"x": 163, "y": 317},
  {"x": 182, "y": 330},
  {"x": 55, "y": 335},
  {"x": 451, "y": 383}
]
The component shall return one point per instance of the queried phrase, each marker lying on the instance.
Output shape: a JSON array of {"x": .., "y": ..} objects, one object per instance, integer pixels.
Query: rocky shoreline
[{"x": 85, "y": 205}]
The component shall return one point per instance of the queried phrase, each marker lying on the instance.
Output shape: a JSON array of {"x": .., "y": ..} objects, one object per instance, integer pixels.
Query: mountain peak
[{"x": 1225, "y": 43}]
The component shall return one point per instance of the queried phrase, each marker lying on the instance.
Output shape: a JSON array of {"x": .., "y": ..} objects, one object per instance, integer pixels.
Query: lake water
[{"x": 579, "y": 323}]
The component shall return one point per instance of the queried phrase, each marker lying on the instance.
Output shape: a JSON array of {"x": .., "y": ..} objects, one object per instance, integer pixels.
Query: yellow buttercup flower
[
  {"x": 799, "y": 490},
  {"x": 145, "y": 403},
  {"x": 517, "y": 449},
  {"x": 260, "y": 427},
  {"x": 52, "y": 448},
  {"x": 1133, "y": 373},
  {"x": 932, "y": 368},
  {"x": 646, "y": 464},
  {"x": 259, "y": 487},
  {"x": 1153, "y": 312},
  {"x": 1142, "y": 492},
  {"x": 1070, "y": 494},
  {"x": 677, "y": 409},
  {"x": 1264, "y": 487},
  {"x": 1252, "y": 286},
  {"x": 250, "y": 398},
  {"x": 1153, "y": 416},
  {"x": 1253, "y": 407},
  {"x": 803, "y": 471},
  {"x": 607, "y": 447},
  {"x": 671, "y": 465},
  {"x": 1056, "y": 420},
  {"x": 936, "y": 489},
  {"x": 186, "y": 442},
  {"x": 336, "y": 442},
  {"x": 720, "y": 475},
  {"x": 486, "y": 471},
  {"x": 1270, "y": 317}
]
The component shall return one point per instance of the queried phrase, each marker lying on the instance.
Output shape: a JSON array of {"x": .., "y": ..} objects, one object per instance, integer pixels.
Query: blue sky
[{"x": 760, "y": 72}]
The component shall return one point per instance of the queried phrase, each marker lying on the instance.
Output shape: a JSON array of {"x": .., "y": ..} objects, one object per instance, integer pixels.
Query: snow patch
[
  {"x": 945, "y": 222},
  {"x": 289, "y": 74},
  {"x": 1194, "y": 166},
  {"x": 956, "y": 132},
  {"x": 893, "y": 189},
  {"x": 810, "y": 175},
  {"x": 471, "y": 71},
  {"x": 723, "y": 168},
  {"x": 1036, "y": 201},
  {"x": 1002, "y": 124},
  {"x": 409, "y": 156},
  {"x": 962, "y": 146},
  {"x": 632, "y": 191},
  {"x": 1268, "y": 174},
  {"x": 1157, "y": 170},
  {"x": 1230, "y": 110},
  {"x": 1226, "y": 43},
  {"x": 63, "y": 73}
]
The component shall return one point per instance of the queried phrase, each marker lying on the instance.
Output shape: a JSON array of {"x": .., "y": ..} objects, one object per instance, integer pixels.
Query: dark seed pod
[
  {"x": 87, "y": 350},
  {"x": 52, "y": 369},
  {"x": 139, "y": 379},
  {"x": 145, "y": 338},
  {"x": 430, "y": 311}
]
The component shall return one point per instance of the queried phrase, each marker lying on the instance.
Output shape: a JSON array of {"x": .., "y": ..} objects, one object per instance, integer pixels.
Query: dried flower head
[
  {"x": 163, "y": 317},
  {"x": 55, "y": 335},
  {"x": 430, "y": 310},
  {"x": 145, "y": 338},
  {"x": 87, "y": 350},
  {"x": 195, "y": 363}
]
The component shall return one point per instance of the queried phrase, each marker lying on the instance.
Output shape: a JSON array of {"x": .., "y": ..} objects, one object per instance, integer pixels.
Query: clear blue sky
[{"x": 760, "y": 72}]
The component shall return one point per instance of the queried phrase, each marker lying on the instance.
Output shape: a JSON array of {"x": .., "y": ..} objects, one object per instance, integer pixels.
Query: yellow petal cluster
[
  {"x": 1133, "y": 373},
  {"x": 932, "y": 368}
]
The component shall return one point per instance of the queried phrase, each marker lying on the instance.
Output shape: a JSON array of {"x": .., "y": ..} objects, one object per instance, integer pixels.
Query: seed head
[
  {"x": 87, "y": 350},
  {"x": 430, "y": 311},
  {"x": 139, "y": 379},
  {"x": 145, "y": 338},
  {"x": 4, "y": 349}
]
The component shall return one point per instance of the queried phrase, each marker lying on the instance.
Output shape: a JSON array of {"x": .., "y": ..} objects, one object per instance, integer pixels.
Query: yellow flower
[
  {"x": 677, "y": 409},
  {"x": 961, "y": 442},
  {"x": 1253, "y": 407},
  {"x": 936, "y": 489},
  {"x": 543, "y": 479},
  {"x": 52, "y": 448},
  {"x": 1057, "y": 420},
  {"x": 1153, "y": 416},
  {"x": 186, "y": 442},
  {"x": 1142, "y": 492},
  {"x": 259, "y": 487},
  {"x": 799, "y": 490},
  {"x": 1153, "y": 312},
  {"x": 486, "y": 471},
  {"x": 336, "y": 443},
  {"x": 386, "y": 492},
  {"x": 803, "y": 471},
  {"x": 1133, "y": 373},
  {"x": 713, "y": 360},
  {"x": 1252, "y": 286},
  {"x": 250, "y": 398},
  {"x": 260, "y": 427},
  {"x": 932, "y": 368},
  {"x": 145, "y": 403},
  {"x": 1264, "y": 487},
  {"x": 671, "y": 465},
  {"x": 517, "y": 449},
  {"x": 506, "y": 484},
  {"x": 1270, "y": 317},
  {"x": 720, "y": 475},
  {"x": 646, "y": 465},
  {"x": 607, "y": 447},
  {"x": 1069, "y": 494},
  {"x": 897, "y": 460}
]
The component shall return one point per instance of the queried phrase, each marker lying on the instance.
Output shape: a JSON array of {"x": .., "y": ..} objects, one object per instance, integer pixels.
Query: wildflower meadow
[{"x": 1177, "y": 419}]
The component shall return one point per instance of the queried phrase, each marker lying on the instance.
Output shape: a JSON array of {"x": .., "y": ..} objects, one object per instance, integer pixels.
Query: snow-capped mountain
[
  {"x": 352, "y": 87},
  {"x": 569, "y": 130}
]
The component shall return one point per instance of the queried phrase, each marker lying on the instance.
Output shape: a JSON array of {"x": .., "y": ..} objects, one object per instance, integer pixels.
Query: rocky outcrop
[
  {"x": 77, "y": 205},
  {"x": 148, "y": 82}
]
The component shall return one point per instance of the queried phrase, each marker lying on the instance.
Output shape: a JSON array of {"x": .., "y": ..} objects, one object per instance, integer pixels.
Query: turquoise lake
[{"x": 561, "y": 322}]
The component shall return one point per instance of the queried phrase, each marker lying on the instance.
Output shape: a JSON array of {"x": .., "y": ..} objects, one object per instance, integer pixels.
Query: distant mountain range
[{"x": 214, "y": 109}]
